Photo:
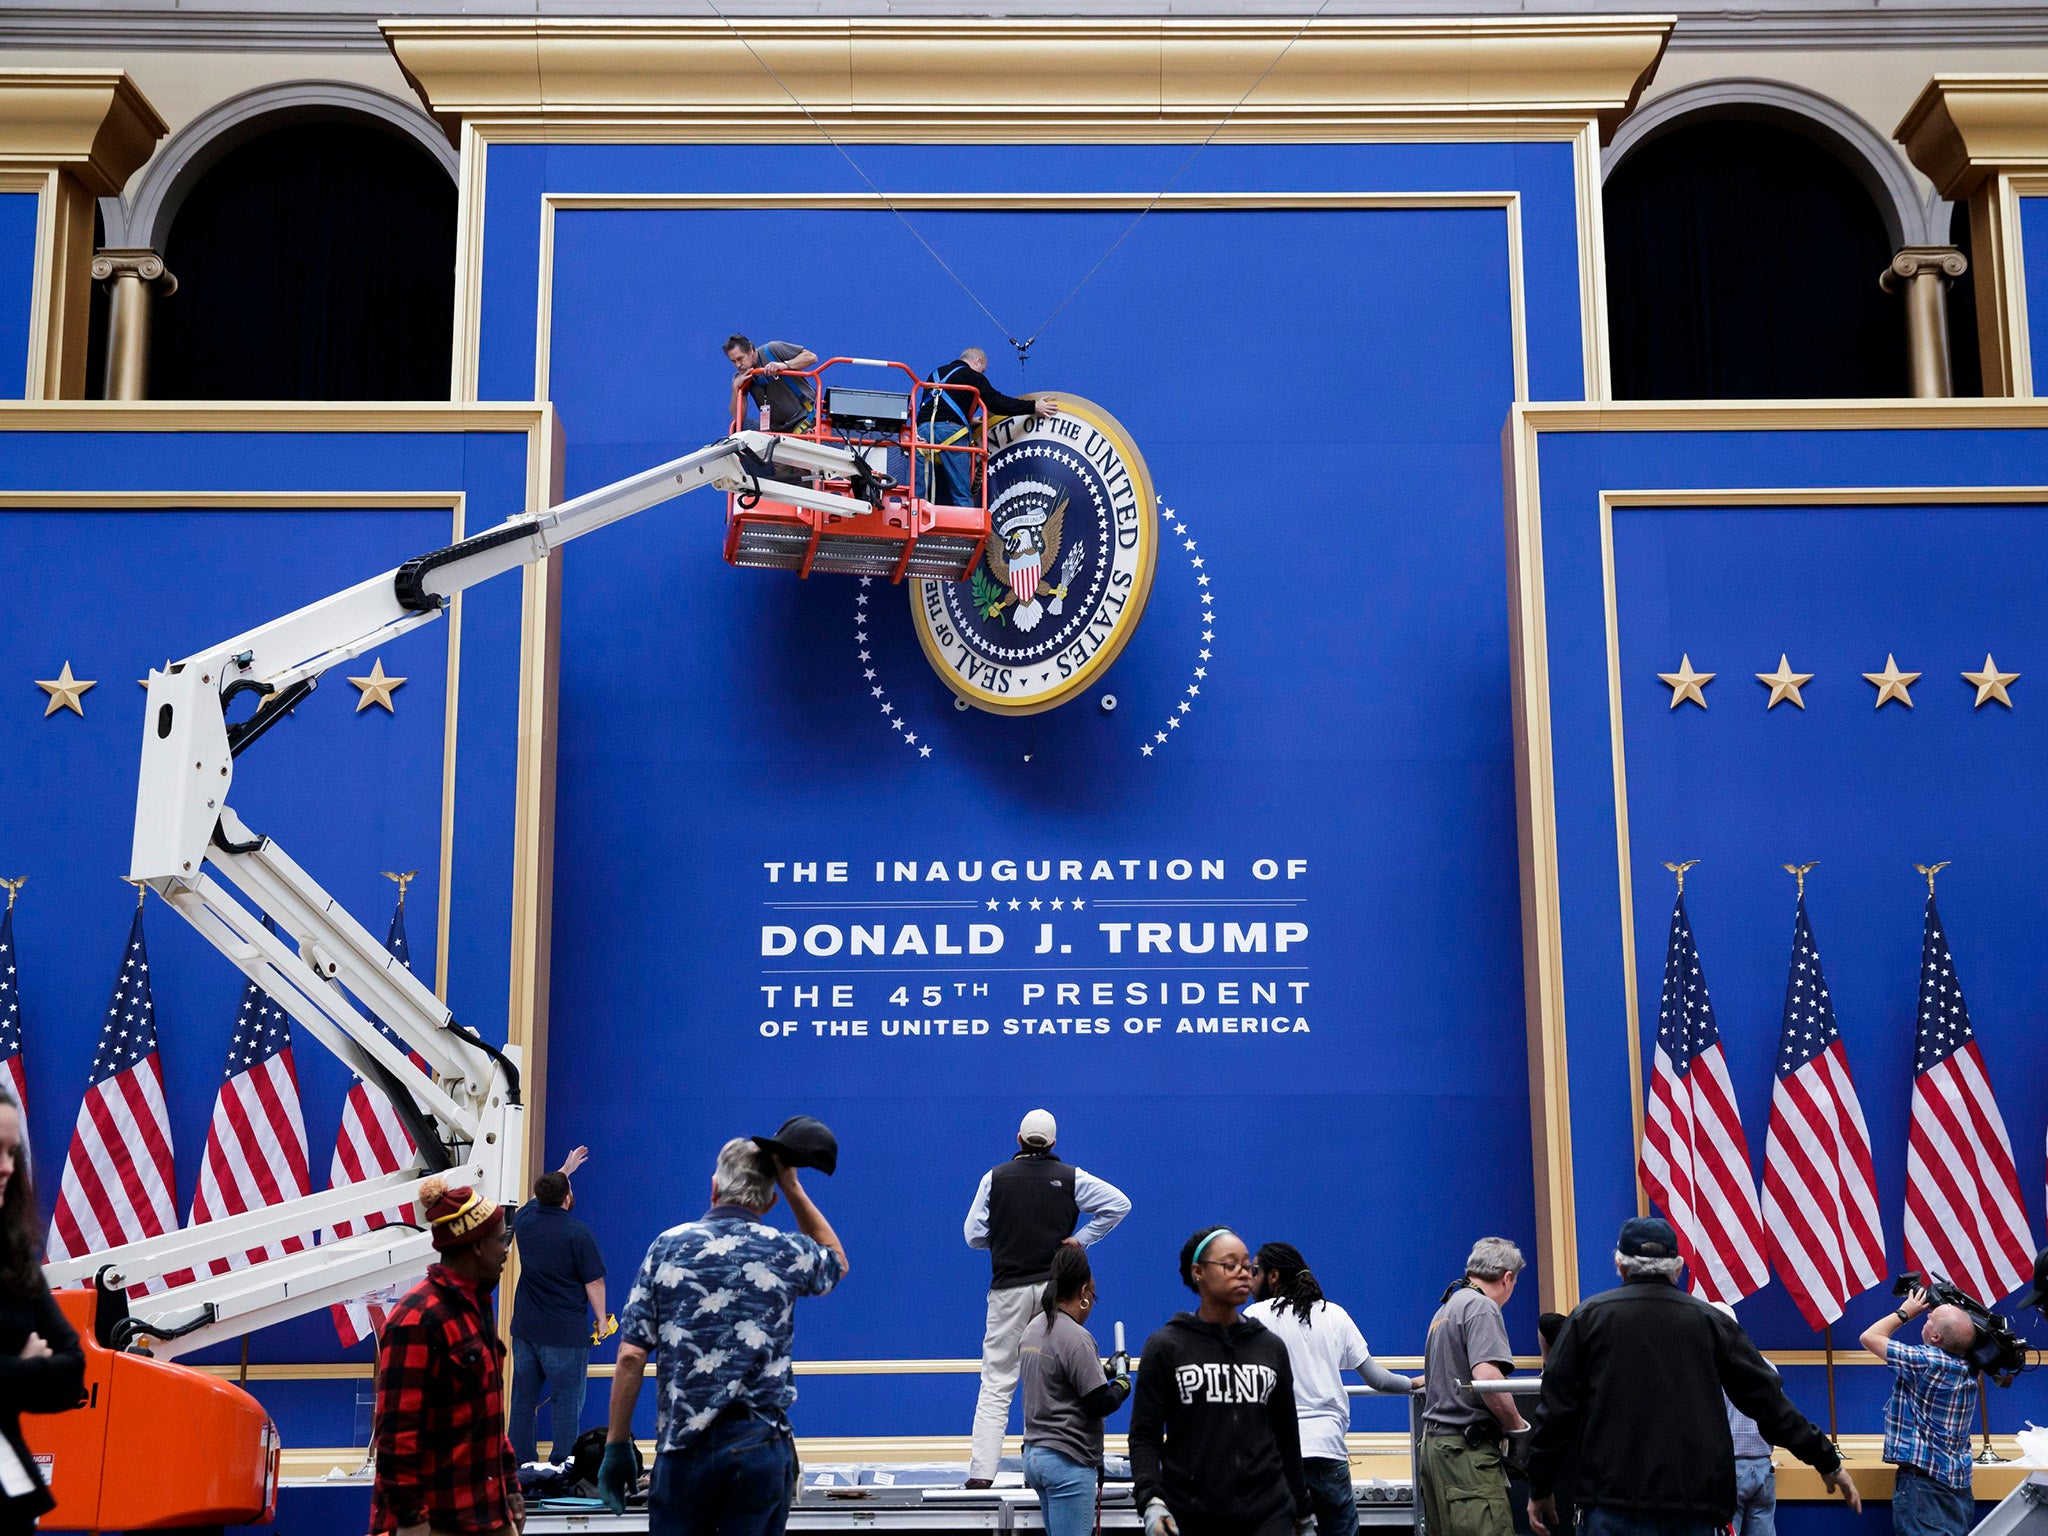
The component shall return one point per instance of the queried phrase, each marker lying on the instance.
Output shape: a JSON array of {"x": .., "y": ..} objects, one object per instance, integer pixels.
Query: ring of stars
[
  {"x": 877, "y": 694},
  {"x": 1184, "y": 705}
]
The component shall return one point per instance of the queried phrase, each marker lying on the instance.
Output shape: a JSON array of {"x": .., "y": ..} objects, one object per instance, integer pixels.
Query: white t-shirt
[{"x": 1320, "y": 1351}]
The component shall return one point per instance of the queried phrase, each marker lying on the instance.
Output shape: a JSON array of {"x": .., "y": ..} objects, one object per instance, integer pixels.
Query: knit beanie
[{"x": 457, "y": 1215}]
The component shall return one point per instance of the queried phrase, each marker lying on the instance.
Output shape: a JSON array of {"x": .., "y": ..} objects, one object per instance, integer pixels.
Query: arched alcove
[
  {"x": 1743, "y": 258},
  {"x": 314, "y": 248}
]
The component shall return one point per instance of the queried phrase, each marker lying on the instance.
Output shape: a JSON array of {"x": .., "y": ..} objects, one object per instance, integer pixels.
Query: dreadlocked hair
[
  {"x": 1295, "y": 1288},
  {"x": 1070, "y": 1277}
]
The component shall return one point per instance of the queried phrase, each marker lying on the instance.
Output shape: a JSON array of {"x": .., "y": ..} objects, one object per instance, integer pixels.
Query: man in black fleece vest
[{"x": 1022, "y": 1212}]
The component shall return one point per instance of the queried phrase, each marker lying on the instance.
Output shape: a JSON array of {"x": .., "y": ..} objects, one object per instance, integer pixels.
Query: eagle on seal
[{"x": 1026, "y": 543}]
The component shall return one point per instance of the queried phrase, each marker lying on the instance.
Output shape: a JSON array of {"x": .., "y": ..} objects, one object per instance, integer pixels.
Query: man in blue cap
[{"x": 1636, "y": 1382}]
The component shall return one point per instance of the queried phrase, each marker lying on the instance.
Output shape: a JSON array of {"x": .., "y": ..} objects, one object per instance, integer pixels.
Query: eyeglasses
[{"x": 1230, "y": 1266}]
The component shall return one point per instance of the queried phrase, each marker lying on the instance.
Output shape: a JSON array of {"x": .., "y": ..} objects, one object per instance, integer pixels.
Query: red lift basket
[{"x": 906, "y": 534}]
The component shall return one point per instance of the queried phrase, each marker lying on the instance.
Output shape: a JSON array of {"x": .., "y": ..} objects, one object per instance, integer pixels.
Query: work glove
[
  {"x": 618, "y": 1477},
  {"x": 1158, "y": 1522},
  {"x": 599, "y": 1332},
  {"x": 1119, "y": 1364}
]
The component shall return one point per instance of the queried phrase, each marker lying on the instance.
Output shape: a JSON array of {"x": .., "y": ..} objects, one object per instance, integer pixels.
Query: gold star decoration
[
  {"x": 1892, "y": 683},
  {"x": 1990, "y": 683},
  {"x": 65, "y": 691},
  {"x": 1686, "y": 683},
  {"x": 377, "y": 688},
  {"x": 1785, "y": 685}
]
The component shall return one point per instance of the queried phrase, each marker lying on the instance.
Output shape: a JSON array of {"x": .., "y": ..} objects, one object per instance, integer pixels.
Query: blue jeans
[
  {"x": 1756, "y": 1497},
  {"x": 1605, "y": 1520},
  {"x": 1922, "y": 1506},
  {"x": 1066, "y": 1491},
  {"x": 1330, "y": 1495},
  {"x": 735, "y": 1479},
  {"x": 563, "y": 1372},
  {"x": 946, "y": 479}
]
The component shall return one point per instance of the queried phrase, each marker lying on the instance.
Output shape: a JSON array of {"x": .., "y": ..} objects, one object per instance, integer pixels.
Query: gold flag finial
[
  {"x": 141, "y": 888},
  {"x": 14, "y": 889},
  {"x": 403, "y": 877},
  {"x": 1931, "y": 870},
  {"x": 1679, "y": 870},
  {"x": 1798, "y": 872}
]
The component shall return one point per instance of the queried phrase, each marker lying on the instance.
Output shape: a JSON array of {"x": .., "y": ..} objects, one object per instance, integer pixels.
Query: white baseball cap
[{"x": 1038, "y": 1129}]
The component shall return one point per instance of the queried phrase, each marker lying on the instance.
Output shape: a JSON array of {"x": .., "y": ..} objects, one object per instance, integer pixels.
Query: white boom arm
[{"x": 462, "y": 1106}]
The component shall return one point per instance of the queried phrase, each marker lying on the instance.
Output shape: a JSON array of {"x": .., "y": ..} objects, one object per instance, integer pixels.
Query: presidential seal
[{"x": 1063, "y": 580}]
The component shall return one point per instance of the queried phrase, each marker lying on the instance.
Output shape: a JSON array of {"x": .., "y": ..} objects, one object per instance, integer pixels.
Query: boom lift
[{"x": 157, "y": 1445}]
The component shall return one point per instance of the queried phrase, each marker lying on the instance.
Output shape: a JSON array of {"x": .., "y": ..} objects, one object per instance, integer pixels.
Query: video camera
[{"x": 1997, "y": 1351}]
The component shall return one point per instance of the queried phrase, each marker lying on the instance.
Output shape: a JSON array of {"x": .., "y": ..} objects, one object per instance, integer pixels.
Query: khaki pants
[
  {"x": 1002, "y": 1342},
  {"x": 1464, "y": 1488}
]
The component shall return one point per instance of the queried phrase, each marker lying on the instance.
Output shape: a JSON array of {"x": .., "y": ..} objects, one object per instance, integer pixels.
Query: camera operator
[
  {"x": 1636, "y": 1381},
  {"x": 1463, "y": 1473},
  {"x": 1927, "y": 1417}
]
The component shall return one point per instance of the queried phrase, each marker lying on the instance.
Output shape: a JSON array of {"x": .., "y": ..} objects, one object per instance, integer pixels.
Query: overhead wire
[{"x": 1023, "y": 347}]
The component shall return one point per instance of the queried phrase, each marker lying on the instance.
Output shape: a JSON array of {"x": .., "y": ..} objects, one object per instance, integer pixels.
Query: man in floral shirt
[
  {"x": 715, "y": 1302},
  {"x": 443, "y": 1462}
]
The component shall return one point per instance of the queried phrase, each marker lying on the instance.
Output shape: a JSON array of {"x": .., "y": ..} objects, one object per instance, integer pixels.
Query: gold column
[
  {"x": 69, "y": 136},
  {"x": 135, "y": 279},
  {"x": 1922, "y": 273}
]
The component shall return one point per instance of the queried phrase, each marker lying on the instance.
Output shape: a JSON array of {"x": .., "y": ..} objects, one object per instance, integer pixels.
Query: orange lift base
[
  {"x": 903, "y": 537},
  {"x": 155, "y": 1445}
]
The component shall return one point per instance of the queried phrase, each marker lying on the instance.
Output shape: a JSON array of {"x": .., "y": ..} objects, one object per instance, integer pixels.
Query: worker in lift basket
[
  {"x": 786, "y": 401},
  {"x": 443, "y": 1462},
  {"x": 948, "y": 416}
]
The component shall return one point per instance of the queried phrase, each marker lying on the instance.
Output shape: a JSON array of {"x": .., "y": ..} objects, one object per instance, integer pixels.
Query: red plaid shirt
[{"x": 442, "y": 1455}]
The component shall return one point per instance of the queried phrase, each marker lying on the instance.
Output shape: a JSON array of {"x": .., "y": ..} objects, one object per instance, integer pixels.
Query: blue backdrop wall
[{"x": 1319, "y": 682}]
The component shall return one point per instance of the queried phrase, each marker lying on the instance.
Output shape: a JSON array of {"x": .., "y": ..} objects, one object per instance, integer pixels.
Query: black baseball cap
[
  {"x": 1647, "y": 1237},
  {"x": 803, "y": 1143}
]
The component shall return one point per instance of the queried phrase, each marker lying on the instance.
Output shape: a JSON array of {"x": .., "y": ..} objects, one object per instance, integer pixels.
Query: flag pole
[
  {"x": 1987, "y": 1456},
  {"x": 1827, "y": 1344}
]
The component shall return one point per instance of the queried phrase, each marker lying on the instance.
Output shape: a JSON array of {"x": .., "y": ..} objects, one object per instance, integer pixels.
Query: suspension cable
[{"x": 1023, "y": 347}]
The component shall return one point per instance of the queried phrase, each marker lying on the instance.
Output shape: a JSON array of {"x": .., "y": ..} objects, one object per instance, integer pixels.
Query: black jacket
[
  {"x": 1222, "y": 1400},
  {"x": 52, "y": 1384},
  {"x": 1636, "y": 1381}
]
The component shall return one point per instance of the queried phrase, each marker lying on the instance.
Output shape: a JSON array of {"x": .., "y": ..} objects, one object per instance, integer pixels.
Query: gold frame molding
[
  {"x": 1536, "y": 800},
  {"x": 533, "y": 796},
  {"x": 960, "y": 202},
  {"x": 926, "y": 81},
  {"x": 68, "y": 136},
  {"x": 1983, "y": 138},
  {"x": 1001, "y": 80}
]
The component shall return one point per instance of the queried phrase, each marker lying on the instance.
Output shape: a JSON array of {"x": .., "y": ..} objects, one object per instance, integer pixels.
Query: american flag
[
  {"x": 118, "y": 1184},
  {"x": 10, "y": 1024},
  {"x": 1964, "y": 1217},
  {"x": 372, "y": 1141},
  {"x": 1695, "y": 1161},
  {"x": 256, "y": 1146},
  {"x": 1820, "y": 1194}
]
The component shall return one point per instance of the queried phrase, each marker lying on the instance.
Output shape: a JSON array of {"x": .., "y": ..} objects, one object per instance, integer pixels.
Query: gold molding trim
[
  {"x": 233, "y": 500},
  {"x": 556, "y": 202},
  {"x": 312, "y": 416},
  {"x": 94, "y": 123},
  {"x": 1529, "y": 421},
  {"x": 1002, "y": 79},
  {"x": 1962, "y": 128}
]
